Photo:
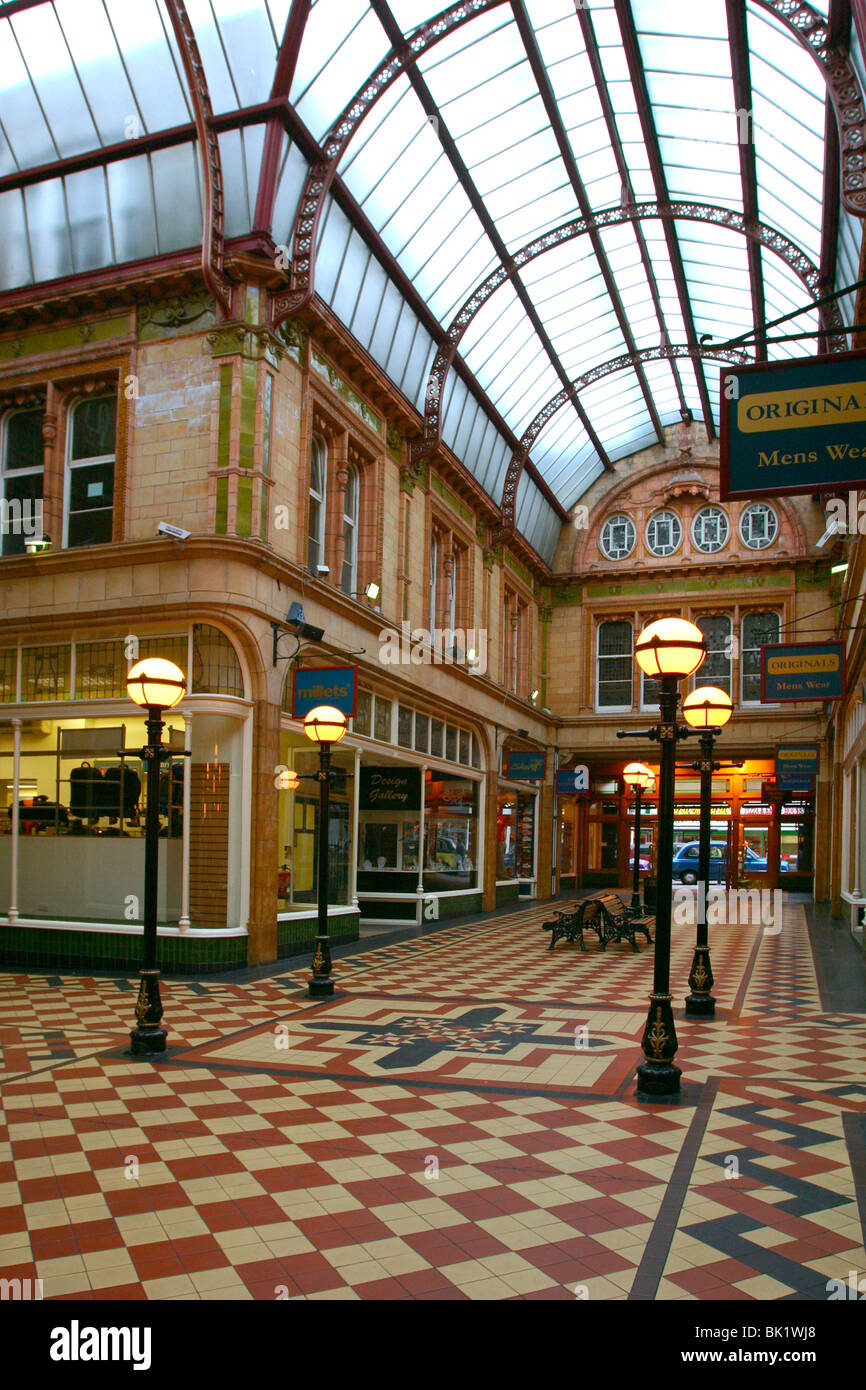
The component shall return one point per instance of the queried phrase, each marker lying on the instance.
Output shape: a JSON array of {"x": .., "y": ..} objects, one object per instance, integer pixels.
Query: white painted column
[
  {"x": 356, "y": 803},
  {"x": 184, "y": 923},
  {"x": 12, "y": 912}
]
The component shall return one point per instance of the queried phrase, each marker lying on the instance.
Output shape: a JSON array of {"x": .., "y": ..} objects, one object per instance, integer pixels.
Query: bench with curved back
[
  {"x": 621, "y": 922},
  {"x": 572, "y": 922}
]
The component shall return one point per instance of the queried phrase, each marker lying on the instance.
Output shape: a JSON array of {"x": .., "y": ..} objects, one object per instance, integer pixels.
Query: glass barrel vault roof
[{"x": 524, "y": 117}]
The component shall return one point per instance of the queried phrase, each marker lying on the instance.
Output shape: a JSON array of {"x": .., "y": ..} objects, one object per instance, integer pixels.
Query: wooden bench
[
  {"x": 572, "y": 922},
  {"x": 621, "y": 923}
]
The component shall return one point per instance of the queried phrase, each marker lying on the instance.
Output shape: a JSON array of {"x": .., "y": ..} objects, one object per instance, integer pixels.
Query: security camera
[
  {"x": 177, "y": 533},
  {"x": 296, "y": 621}
]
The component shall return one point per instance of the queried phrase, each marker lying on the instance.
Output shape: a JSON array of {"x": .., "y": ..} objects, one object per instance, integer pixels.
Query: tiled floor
[{"x": 458, "y": 1122}]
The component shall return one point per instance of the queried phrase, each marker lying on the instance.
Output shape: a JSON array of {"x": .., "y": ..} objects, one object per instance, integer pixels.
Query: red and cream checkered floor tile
[{"x": 458, "y": 1122}]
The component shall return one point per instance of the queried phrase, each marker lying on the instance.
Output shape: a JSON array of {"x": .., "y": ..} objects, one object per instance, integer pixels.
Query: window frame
[
  {"x": 321, "y": 500},
  {"x": 748, "y": 512},
  {"x": 711, "y": 507},
  {"x": 754, "y": 613},
  {"x": 350, "y": 532},
  {"x": 617, "y": 518},
  {"x": 70, "y": 465},
  {"x": 700, "y": 676},
  {"x": 18, "y": 472},
  {"x": 663, "y": 512},
  {"x": 613, "y": 622}
]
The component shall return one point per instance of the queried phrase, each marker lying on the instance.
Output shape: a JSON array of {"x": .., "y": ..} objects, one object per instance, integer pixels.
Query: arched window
[
  {"x": 89, "y": 495},
  {"x": 215, "y": 666},
  {"x": 759, "y": 630},
  {"x": 349, "y": 580},
  {"x": 21, "y": 473},
  {"x": 716, "y": 669},
  {"x": 614, "y": 666},
  {"x": 318, "y": 494}
]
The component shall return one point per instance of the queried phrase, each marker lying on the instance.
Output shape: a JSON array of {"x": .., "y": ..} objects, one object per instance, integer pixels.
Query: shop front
[
  {"x": 73, "y": 805},
  {"x": 405, "y": 827},
  {"x": 597, "y": 843}
]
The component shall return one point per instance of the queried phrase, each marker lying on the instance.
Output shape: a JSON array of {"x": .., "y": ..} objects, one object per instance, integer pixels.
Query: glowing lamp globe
[
  {"x": 156, "y": 684},
  {"x": 324, "y": 724},
  {"x": 670, "y": 647},
  {"x": 707, "y": 708},
  {"x": 637, "y": 775}
]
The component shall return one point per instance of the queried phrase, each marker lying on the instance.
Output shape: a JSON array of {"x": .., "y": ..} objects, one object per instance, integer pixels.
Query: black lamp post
[
  {"x": 639, "y": 778},
  {"x": 324, "y": 726},
  {"x": 668, "y": 650},
  {"x": 707, "y": 711},
  {"x": 156, "y": 685}
]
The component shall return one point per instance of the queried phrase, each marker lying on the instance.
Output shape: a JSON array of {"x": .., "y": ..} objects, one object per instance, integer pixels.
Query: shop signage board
[
  {"x": 795, "y": 782},
  {"x": 389, "y": 788},
  {"x": 797, "y": 760},
  {"x": 793, "y": 427},
  {"x": 326, "y": 685},
  {"x": 575, "y": 780},
  {"x": 525, "y": 767},
  {"x": 802, "y": 671}
]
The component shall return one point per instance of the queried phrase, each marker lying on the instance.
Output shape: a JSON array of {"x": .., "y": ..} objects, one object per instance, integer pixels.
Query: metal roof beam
[
  {"x": 839, "y": 21},
  {"x": 738, "y": 41},
  {"x": 287, "y": 61},
  {"x": 645, "y": 115},
  {"x": 551, "y": 106},
  {"x": 592, "y": 52},
  {"x": 449, "y": 145}
]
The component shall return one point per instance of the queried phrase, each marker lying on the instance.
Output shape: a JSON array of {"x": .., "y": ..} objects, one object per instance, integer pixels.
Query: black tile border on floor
[{"x": 840, "y": 968}]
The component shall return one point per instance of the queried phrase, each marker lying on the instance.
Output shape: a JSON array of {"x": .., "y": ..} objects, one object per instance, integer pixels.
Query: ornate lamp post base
[
  {"x": 321, "y": 985},
  {"x": 700, "y": 1003},
  {"x": 657, "y": 1074},
  {"x": 148, "y": 1037}
]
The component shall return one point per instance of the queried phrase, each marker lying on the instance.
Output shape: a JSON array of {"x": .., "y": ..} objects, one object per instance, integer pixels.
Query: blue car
[{"x": 685, "y": 864}]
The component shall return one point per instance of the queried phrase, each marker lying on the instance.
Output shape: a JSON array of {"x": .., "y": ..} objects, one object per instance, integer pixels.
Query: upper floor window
[
  {"x": 349, "y": 579},
  {"x": 434, "y": 581},
  {"x": 759, "y": 630},
  {"x": 759, "y": 526},
  {"x": 89, "y": 496},
  {"x": 618, "y": 537},
  {"x": 614, "y": 666},
  {"x": 21, "y": 480},
  {"x": 318, "y": 493},
  {"x": 710, "y": 530},
  {"x": 716, "y": 668},
  {"x": 664, "y": 533}
]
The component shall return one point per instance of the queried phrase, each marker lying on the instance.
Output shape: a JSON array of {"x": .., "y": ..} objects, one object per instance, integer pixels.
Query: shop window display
[{"x": 515, "y": 836}]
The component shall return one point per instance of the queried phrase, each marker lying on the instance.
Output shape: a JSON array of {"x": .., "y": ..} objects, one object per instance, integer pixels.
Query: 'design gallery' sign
[
  {"x": 792, "y": 427},
  {"x": 389, "y": 789},
  {"x": 802, "y": 671}
]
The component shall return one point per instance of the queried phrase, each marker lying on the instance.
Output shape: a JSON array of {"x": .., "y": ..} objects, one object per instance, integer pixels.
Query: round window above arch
[
  {"x": 618, "y": 537},
  {"x": 759, "y": 526},
  {"x": 664, "y": 533},
  {"x": 216, "y": 669},
  {"x": 710, "y": 530}
]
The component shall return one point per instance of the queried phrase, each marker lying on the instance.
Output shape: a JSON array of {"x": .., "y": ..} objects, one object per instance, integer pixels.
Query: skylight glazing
[{"x": 498, "y": 133}]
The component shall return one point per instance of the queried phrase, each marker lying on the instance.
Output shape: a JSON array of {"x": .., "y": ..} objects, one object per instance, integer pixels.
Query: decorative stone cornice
[{"x": 248, "y": 340}]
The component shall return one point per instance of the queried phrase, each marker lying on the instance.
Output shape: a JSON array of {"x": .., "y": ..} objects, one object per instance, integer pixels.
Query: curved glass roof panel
[{"x": 505, "y": 125}]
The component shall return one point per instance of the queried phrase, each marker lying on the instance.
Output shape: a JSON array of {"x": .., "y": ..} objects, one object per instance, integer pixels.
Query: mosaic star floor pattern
[{"x": 457, "y": 1122}]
